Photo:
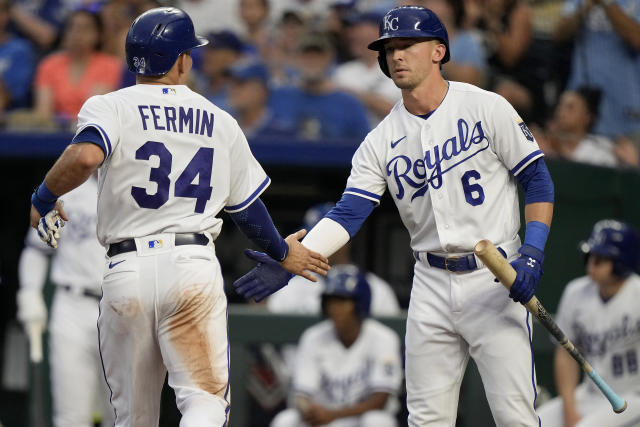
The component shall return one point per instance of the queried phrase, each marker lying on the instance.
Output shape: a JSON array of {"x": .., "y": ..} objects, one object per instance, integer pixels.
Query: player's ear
[{"x": 439, "y": 51}]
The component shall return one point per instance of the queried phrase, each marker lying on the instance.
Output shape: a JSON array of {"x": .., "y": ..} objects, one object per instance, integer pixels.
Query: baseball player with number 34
[
  {"x": 452, "y": 156},
  {"x": 168, "y": 162}
]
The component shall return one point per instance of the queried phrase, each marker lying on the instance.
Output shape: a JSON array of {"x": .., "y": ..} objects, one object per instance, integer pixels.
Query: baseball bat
[
  {"x": 500, "y": 267},
  {"x": 37, "y": 410}
]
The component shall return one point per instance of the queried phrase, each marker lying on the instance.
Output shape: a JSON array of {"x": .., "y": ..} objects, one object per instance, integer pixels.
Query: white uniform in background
[
  {"x": 172, "y": 161},
  {"x": 452, "y": 178},
  {"x": 334, "y": 376},
  {"x": 77, "y": 381},
  {"x": 608, "y": 334}
]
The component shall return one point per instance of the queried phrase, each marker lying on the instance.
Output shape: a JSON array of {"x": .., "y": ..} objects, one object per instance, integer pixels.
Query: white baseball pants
[
  {"x": 164, "y": 310},
  {"x": 456, "y": 315}
]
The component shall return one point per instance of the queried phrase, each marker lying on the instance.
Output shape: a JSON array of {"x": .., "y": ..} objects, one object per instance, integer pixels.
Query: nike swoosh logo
[
  {"x": 113, "y": 264},
  {"x": 394, "y": 143}
]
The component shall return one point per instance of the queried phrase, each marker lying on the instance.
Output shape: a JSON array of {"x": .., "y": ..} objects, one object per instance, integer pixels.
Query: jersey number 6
[
  {"x": 199, "y": 166},
  {"x": 473, "y": 193}
]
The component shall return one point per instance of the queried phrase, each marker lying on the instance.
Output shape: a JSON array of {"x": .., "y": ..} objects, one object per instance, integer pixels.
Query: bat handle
[
  {"x": 617, "y": 403},
  {"x": 35, "y": 343}
]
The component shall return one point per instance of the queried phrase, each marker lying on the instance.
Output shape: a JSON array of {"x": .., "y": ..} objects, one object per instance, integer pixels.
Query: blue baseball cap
[
  {"x": 315, "y": 213},
  {"x": 225, "y": 40},
  {"x": 250, "y": 71}
]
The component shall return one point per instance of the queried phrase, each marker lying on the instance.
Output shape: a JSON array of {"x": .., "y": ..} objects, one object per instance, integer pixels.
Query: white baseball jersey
[
  {"x": 175, "y": 154},
  {"x": 451, "y": 173},
  {"x": 608, "y": 333},
  {"x": 79, "y": 251},
  {"x": 334, "y": 376}
]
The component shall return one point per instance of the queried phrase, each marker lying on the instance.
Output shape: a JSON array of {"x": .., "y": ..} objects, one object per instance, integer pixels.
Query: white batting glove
[
  {"x": 32, "y": 311},
  {"x": 49, "y": 228}
]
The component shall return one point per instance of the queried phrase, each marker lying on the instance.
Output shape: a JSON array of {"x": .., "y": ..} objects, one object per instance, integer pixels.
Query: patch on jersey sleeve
[{"x": 525, "y": 130}]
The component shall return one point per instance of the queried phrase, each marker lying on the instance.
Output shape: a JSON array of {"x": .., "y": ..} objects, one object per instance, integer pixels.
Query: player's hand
[
  {"x": 529, "y": 269},
  {"x": 571, "y": 418},
  {"x": 317, "y": 415},
  {"x": 32, "y": 311},
  {"x": 264, "y": 279},
  {"x": 302, "y": 261},
  {"x": 49, "y": 226}
]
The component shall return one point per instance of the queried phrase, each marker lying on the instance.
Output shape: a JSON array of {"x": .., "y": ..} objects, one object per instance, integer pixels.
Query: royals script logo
[{"x": 418, "y": 174}]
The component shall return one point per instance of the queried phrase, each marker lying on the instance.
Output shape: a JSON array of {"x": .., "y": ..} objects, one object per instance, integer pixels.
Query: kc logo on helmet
[{"x": 390, "y": 23}]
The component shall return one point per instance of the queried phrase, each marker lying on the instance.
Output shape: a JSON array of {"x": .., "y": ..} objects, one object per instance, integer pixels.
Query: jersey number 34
[{"x": 199, "y": 166}]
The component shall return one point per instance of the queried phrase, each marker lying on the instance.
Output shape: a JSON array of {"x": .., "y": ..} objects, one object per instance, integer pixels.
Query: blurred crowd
[{"x": 301, "y": 68}]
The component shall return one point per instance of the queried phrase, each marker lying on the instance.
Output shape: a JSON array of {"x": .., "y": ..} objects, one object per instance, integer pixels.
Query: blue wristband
[
  {"x": 43, "y": 199},
  {"x": 536, "y": 234}
]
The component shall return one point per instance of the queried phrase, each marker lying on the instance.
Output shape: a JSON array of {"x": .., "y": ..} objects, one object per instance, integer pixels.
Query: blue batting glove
[
  {"x": 529, "y": 269},
  {"x": 264, "y": 279}
]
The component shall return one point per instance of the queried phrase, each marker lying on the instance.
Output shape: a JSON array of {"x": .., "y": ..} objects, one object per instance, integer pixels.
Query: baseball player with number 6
[
  {"x": 168, "y": 162},
  {"x": 452, "y": 156}
]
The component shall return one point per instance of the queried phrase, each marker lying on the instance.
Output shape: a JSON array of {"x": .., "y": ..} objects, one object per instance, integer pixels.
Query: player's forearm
[
  {"x": 73, "y": 167},
  {"x": 567, "y": 375},
  {"x": 539, "y": 211},
  {"x": 374, "y": 401},
  {"x": 326, "y": 237}
]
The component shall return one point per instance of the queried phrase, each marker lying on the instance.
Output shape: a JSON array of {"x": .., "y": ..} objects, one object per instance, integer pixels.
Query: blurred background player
[
  {"x": 77, "y": 381},
  {"x": 348, "y": 369},
  {"x": 599, "y": 313},
  {"x": 302, "y": 295}
]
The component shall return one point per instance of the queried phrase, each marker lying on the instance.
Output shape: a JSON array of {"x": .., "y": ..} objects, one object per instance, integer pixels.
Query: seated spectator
[
  {"x": 302, "y": 295},
  {"x": 599, "y": 314},
  {"x": 348, "y": 367},
  {"x": 568, "y": 134},
  {"x": 17, "y": 62},
  {"x": 316, "y": 109},
  {"x": 39, "y": 21},
  {"x": 280, "y": 55},
  {"x": 362, "y": 76},
  {"x": 468, "y": 61},
  {"x": 254, "y": 15},
  {"x": 224, "y": 50},
  {"x": 66, "y": 79},
  {"x": 248, "y": 96}
]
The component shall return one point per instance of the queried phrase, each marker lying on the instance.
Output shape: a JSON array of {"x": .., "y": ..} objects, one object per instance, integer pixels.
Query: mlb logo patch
[
  {"x": 168, "y": 91},
  {"x": 154, "y": 244},
  {"x": 525, "y": 130}
]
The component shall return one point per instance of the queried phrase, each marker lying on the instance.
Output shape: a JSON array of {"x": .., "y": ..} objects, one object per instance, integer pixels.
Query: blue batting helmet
[
  {"x": 348, "y": 281},
  {"x": 409, "y": 22},
  {"x": 617, "y": 241},
  {"x": 157, "y": 38},
  {"x": 315, "y": 213}
]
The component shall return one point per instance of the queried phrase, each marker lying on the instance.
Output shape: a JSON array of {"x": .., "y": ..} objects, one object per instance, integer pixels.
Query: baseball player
[
  {"x": 73, "y": 337},
  {"x": 599, "y": 313},
  {"x": 452, "y": 156},
  {"x": 348, "y": 369},
  {"x": 168, "y": 162}
]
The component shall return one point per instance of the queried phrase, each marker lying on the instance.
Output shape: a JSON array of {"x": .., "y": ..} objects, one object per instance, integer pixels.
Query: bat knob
[{"x": 621, "y": 409}]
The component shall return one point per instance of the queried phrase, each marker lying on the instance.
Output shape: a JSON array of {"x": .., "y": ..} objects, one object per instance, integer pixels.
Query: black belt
[
  {"x": 129, "y": 245},
  {"x": 456, "y": 263},
  {"x": 86, "y": 292}
]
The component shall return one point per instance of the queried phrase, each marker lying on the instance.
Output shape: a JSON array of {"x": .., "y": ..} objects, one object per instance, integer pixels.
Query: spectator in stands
[
  {"x": 280, "y": 55},
  {"x": 212, "y": 16},
  {"x": 64, "y": 80},
  {"x": 39, "y": 21},
  {"x": 316, "y": 109},
  {"x": 362, "y": 76},
  {"x": 302, "y": 296},
  {"x": 507, "y": 26},
  {"x": 17, "y": 62},
  {"x": 568, "y": 133},
  {"x": 224, "y": 50},
  {"x": 606, "y": 54},
  {"x": 248, "y": 101},
  {"x": 599, "y": 313},
  {"x": 468, "y": 61},
  {"x": 254, "y": 15},
  {"x": 348, "y": 367}
]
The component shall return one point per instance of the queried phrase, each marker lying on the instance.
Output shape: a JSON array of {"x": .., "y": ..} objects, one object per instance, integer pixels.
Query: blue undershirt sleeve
[
  {"x": 536, "y": 182},
  {"x": 351, "y": 211},
  {"x": 256, "y": 223},
  {"x": 90, "y": 134}
]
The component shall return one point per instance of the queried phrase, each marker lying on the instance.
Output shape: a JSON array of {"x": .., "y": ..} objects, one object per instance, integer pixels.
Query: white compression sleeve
[{"x": 326, "y": 237}]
